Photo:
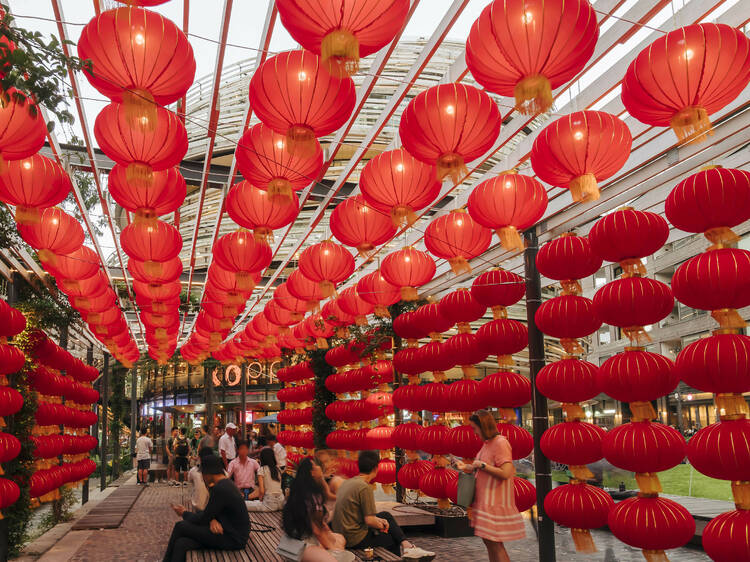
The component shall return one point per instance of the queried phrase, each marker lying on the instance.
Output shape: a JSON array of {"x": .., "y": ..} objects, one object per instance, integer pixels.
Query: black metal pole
[
  {"x": 189, "y": 372},
  {"x": 174, "y": 385},
  {"x": 542, "y": 466},
  {"x": 133, "y": 408},
  {"x": 95, "y": 431},
  {"x": 243, "y": 400},
  {"x": 57, "y": 504},
  {"x": 105, "y": 402},
  {"x": 398, "y": 419}
]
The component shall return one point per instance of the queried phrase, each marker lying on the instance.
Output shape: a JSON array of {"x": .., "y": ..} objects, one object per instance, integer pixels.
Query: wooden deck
[{"x": 110, "y": 513}]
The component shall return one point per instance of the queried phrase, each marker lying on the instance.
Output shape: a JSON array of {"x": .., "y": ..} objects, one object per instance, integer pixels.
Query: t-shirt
[
  {"x": 206, "y": 441},
  {"x": 181, "y": 446},
  {"x": 143, "y": 446},
  {"x": 354, "y": 501},
  {"x": 280, "y": 453},
  {"x": 199, "y": 498},
  {"x": 226, "y": 443},
  {"x": 270, "y": 486},
  {"x": 227, "y": 506},
  {"x": 244, "y": 473}
]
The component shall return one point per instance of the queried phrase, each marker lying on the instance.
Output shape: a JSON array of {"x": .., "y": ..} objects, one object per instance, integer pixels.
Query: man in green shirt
[{"x": 356, "y": 519}]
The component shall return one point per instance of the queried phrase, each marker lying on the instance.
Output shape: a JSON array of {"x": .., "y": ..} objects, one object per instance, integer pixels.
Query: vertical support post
[
  {"x": 133, "y": 408},
  {"x": 189, "y": 372},
  {"x": 208, "y": 386},
  {"x": 95, "y": 431},
  {"x": 174, "y": 383},
  {"x": 57, "y": 504},
  {"x": 243, "y": 400},
  {"x": 542, "y": 465},
  {"x": 164, "y": 401},
  {"x": 398, "y": 419},
  {"x": 14, "y": 288},
  {"x": 105, "y": 402}
]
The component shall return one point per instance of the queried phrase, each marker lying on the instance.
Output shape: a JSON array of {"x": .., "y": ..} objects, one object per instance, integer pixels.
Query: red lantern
[
  {"x": 525, "y": 49},
  {"x": 408, "y": 326},
  {"x": 408, "y": 361},
  {"x": 352, "y": 304},
  {"x": 497, "y": 289},
  {"x": 10, "y": 447},
  {"x": 521, "y": 441},
  {"x": 291, "y": 95},
  {"x": 505, "y": 390},
  {"x": 342, "y": 32},
  {"x": 580, "y": 150},
  {"x": 164, "y": 195},
  {"x": 142, "y": 151},
  {"x": 709, "y": 66},
  {"x": 304, "y": 289},
  {"x": 448, "y": 126},
  {"x": 56, "y": 233},
  {"x": 12, "y": 321},
  {"x": 411, "y": 472},
  {"x": 457, "y": 238},
  {"x": 465, "y": 350},
  {"x": 524, "y": 494},
  {"x": 170, "y": 271},
  {"x": 81, "y": 263},
  {"x": 374, "y": 289},
  {"x": 354, "y": 223},
  {"x": 291, "y": 303},
  {"x": 568, "y": 317},
  {"x": 9, "y": 492},
  {"x": 265, "y": 160},
  {"x": 464, "y": 442},
  {"x": 428, "y": 319},
  {"x": 580, "y": 507},
  {"x": 434, "y": 357},
  {"x": 10, "y": 399},
  {"x": 439, "y": 483},
  {"x": 568, "y": 259},
  {"x": 508, "y": 203},
  {"x": 395, "y": 182},
  {"x": 151, "y": 242},
  {"x": 22, "y": 127},
  {"x": 637, "y": 376},
  {"x": 556, "y": 443},
  {"x": 718, "y": 280},
  {"x": 253, "y": 208},
  {"x": 433, "y": 397},
  {"x": 241, "y": 253},
  {"x": 460, "y": 307},
  {"x": 408, "y": 269},
  {"x": 32, "y": 183},
  {"x": 725, "y": 537},
  {"x": 503, "y": 337},
  {"x": 711, "y": 201},
  {"x": 327, "y": 264},
  {"x": 569, "y": 381},
  {"x": 652, "y": 524},
  {"x": 386, "y": 474},
  {"x": 627, "y": 235},
  {"x": 406, "y": 435},
  {"x": 722, "y": 450},
  {"x": 465, "y": 396},
  {"x": 719, "y": 363}
]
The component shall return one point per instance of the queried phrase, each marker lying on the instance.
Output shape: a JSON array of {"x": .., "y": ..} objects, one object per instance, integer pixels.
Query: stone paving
[{"x": 144, "y": 533}]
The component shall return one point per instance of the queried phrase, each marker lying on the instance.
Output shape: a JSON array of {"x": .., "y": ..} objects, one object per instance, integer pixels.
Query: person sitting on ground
[
  {"x": 223, "y": 525},
  {"x": 304, "y": 517},
  {"x": 330, "y": 465},
  {"x": 181, "y": 453},
  {"x": 243, "y": 470},
  {"x": 356, "y": 519},
  {"x": 268, "y": 495},
  {"x": 199, "y": 497},
  {"x": 143, "y": 448},
  {"x": 169, "y": 458}
]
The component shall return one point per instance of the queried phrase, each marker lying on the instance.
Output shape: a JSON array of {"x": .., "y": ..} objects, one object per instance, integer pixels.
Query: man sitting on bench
[
  {"x": 223, "y": 525},
  {"x": 355, "y": 516}
]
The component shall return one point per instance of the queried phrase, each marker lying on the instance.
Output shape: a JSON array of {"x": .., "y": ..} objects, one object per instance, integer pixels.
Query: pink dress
[{"x": 494, "y": 514}]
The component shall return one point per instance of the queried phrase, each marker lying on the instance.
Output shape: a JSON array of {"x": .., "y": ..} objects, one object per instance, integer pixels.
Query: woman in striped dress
[{"x": 494, "y": 515}]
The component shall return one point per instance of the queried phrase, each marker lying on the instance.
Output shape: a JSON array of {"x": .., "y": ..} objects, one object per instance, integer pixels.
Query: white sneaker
[{"x": 416, "y": 553}]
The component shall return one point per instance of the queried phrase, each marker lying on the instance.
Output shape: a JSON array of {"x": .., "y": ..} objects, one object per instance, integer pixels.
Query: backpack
[{"x": 182, "y": 448}]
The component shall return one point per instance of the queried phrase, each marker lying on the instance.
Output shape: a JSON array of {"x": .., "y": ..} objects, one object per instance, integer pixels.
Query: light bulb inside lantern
[
  {"x": 399, "y": 167},
  {"x": 139, "y": 39},
  {"x": 578, "y": 135},
  {"x": 688, "y": 54},
  {"x": 27, "y": 165},
  {"x": 450, "y": 110},
  {"x": 527, "y": 17},
  {"x": 460, "y": 222},
  {"x": 325, "y": 252},
  {"x": 279, "y": 144},
  {"x": 508, "y": 184},
  {"x": 407, "y": 259},
  {"x": 302, "y": 76}
]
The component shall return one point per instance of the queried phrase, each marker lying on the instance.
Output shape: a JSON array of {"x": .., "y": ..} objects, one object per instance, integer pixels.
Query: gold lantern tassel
[
  {"x": 571, "y": 346},
  {"x": 642, "y": 411},
  {"x": 637, "y": 335},
  {"x": 504, "y": 361},
  {"x": 459, "y": 265},
  {"x": 48, "y": 256},
  {"x": 741, "y": 494},
  {"x": 409, "y": 293},
  {"x": 573, "y": 411},
  {"x": 27, "y": 215},
  {"x": 720, "y": 237},
  {"x": 571, "y": 287},
  {"x": 632, "y": 268},
  {"x": 145, "y": 216},
  {"x": 152, "y": 268},
  {"x": 452, "y": 166},
  {"x": 728, "y": 318},
  {"x": 402, "y": 216},
  {"x": 140, "y": 173},
  {"x": 691, "y": 125},
  {"x": 245, "y": 281},
  {"x": 381, "y": 311},
  {"x": 533, "y": 95},
  {"x": 509, "y": 238},
  {"x": 280, "y": 188},
  {"x": 365, "y": 251},
  {"x": 583, "y": 541},
  {"x": 584, "y": 188},
  {"x": 499, "y": 312},
  {"x": 327, "y": 288},
  {"x": 360, "y": 320},
  {"x": 469, "y": 371},
  {"x": 321, "y": 343},
  {"x": 581, "y": 472},
  {"x": 301, "y": 140},
  {"x": 140, "y": 109},
  {"x": 655, "y": 556},
  {"x": 339, "y": 50},
  {"x": 263, "y": 234},
  {"x": 648, "y": 482}
]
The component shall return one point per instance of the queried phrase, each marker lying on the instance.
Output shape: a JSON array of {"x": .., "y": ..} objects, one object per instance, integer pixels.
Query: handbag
[
  {"x": 467, "y": 484},
  {"x": 291, "y": 549}
]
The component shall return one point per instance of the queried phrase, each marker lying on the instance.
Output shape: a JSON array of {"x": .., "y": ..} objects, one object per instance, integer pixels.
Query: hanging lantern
[
  {"x": 465, "y": 396},
  {"x": 524, "y": 494},
  {"x": 350, "y": 302},
  {"x": 291, "y": 303},
  {"x": 448, "y": 126},
  {"x": 342, "y": 32},
  {"x": 579, "y": 507},
  {"x": 304, "y": 289},
  {"x": 579, "y": 150},
  {"x": 32, "y": 183},
  {"x": 556, "y": 444},
  {"x": 170, "y": 271},
  {"x": 466, "y": 350},
  {"x": 411, "y": 472},
  {"x": 508, "y": 203},
  {"x": 152, "y": 243},
  {"x": 406, "y": 435},
  {"x": 255, "y": 209},
  {"x": 327, "y": 264},
  {"x": 567, "y": 259},
  {"x": 503, "y": 338},
  {"x": 429, "y": 320},
  {"x": 291, "y": 95},
  {"x": 396, "y": 183},
  {"x": 433, "y": 357},
  {"x": 56, "y": 233},
  {"x": 568, "y": 318},
  {"x": 498, "y": 289},
  {"x": 724, "y": 538},
  {"x": 569, "y": 381},
  {"x": 164, "y": 195},
  {"x": 457, "y": 238},
  {"x": 717, "y": 280},
  {"x": 527, "y": 48},
  {"x": 637, "y": 376},
  {"x": 408, "y": 269},
  {"x": 354, "y": 223},
  {"x": 711, "y": 202},
  {"x": 241, "y": 253},
  {"x": 521, "y": 441},
  {"x": 464, "y": 442},
  {"x": 264, "y": 159},
  {"x": 22, "y": 128},
  {"x": 438, "y": 483},
  {"x": 722, "y": 451},
  {"x": 505, "y": 390},
  {"x": 81, "y": 263},
  {"x": 374, "y": 289},
  {"x": 461, "y": 308},
  {"x": 709, "y": 65},
  {"x": 719, "y": 363}
]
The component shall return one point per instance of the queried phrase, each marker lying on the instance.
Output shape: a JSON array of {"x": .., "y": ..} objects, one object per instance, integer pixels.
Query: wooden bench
[{"x": 261, "y": 547}]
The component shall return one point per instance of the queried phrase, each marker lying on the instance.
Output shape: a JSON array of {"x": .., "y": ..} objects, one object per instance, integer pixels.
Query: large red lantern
[
  {"x": 508, "y": 203},
  {"x": 411, "y": 472},
  {"x": 439, "y": 483},
  {"x": 396, "y": 183},
  {"x": 580, "y": 150},
  {"x": 636, "y": 375},
  {"x": 580, "y": 507},
  {"x": 253, "y": 208},
  {"x": 355, "y": 223},
  {"x": 56, "y": 233},
  {"x": 725, "y": 537},
  {"x": 527, "y": 48},
  {"x": 568, "y": 381},
  {"x": 568, "y": 317},
  {"x": 164, "y": 195},
  {"x": 241, "y": 253},
  {"x": 460, "y": 308},
  {"x": 429, "y": 320},
  {"x": 170, "y": 271},
  {"x": 498, "y": 289},
  {"x": 151, "y": 242},
  {"x": 448, "y": 126},
  {"x": 722, "y": 451},
  {"x": 521, "y": 441},
  {"x": 342, "y": 32},
  {"x": 264, "y": 159},
  {"x": 464, "y": 442},
  {"x": 505, "y": 389},
  {"x": 327, "y": 264},
  {"x": 524, "y": 493},
  {"x": 291, "y": 95},
  {"x": 22, "y": 128},
  {"x": 406, "y": 435},
  {"x": 408, "y": 269},
  {"x": 709, "y": 65},
  {"x": 711, "y": 202},
  {"x": 351, "y": 303},
  {"x": 503, "y": 337},
  {"x": 304, "y": 289},
  {"x": 457, "y": 238},
  {"x": 465, "y": 396},
  {"x": 373, "y": 288},
  {"x": 588, "y": 438},
  {"x": 32, "y": 183},
  {"x": 465, "y": 350},
  {"x": 567, "y": 259},
  {"x": 719, "y": 363}
]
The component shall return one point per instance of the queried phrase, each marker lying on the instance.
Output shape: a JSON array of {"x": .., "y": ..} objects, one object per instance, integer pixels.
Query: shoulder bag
[
  {"x": 467, "y": 484},
  {"x": 290, "y": 549}
]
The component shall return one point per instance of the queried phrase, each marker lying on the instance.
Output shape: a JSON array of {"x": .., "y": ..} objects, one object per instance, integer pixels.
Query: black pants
[
  {"x": 391, "y": 540},
  {"x": 189, "y": 536}
]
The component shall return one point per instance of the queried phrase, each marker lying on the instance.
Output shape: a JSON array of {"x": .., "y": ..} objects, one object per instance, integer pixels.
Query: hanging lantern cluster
[
  {"x": 716, "y": 280},
  {"x": 570, "y": 381},
  {"x": 296, "y": 394}
]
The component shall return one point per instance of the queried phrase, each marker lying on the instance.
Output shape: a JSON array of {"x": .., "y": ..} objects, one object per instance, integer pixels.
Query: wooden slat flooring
[{"x": 110, "y": 513}]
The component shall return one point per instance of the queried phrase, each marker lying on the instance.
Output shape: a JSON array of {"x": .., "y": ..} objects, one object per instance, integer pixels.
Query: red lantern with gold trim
[
  {"x": 569, "y": 380},
  {"x": 240, "y": 253},
  {"x": 463, "y": 442},
  {"x": 498, "y": 289},
  {"x": 253, "y": 208},
  {"x": 411, "y": 472},
  {"x": 719, "y": 363},
  {"x": 408, "y": 269},
  {"x": 568, "y": 317},
  {"x": 151, "y": 242},
  {"x": 57, "y": 232},
  {"x": 354, "y": 223},
  {"x": 588, "y": 437},
  {"x": 725, "y": 537},
  {"x": 457, "y": 238},
  {"x": 350, "y": 302},
  {"x": 327, "y": 264},
  {"x": 636, "y": 375},
  {"x": 521, "y": 441},
  {"x": 580, "y": 507},
  {"x": 22, "y": 127},
  {"x": 31, "y": 184},
  {"x": 505, "y": 390},
  {"x": 165, "y": 194},
  {"x": 567, "y": 259},
  {"x": 503, "y": 337},
  {"x": 460, "y": 308},
  {"x": 374, "y": 289}
]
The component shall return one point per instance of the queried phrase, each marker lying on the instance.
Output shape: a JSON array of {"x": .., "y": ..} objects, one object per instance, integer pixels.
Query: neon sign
[{"x": 232, "y": 374}]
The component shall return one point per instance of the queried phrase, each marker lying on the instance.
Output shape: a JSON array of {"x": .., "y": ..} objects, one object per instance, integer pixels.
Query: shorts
[
  {"x": 144, "y": 464},
  {"x": 181, "y": 464}
]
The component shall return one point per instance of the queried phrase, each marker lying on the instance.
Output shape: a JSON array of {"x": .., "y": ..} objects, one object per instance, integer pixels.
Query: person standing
[
  {"x": 171, "y": 476},
  {"x": 243, "y": 469},
  {"x": 207, "y": 440},
  {"x": 181, "y": 454},
  {"x": 495, "y": 517},
  {"x": 143, "y": 448},
  {"x": 227, "y": 446}
]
